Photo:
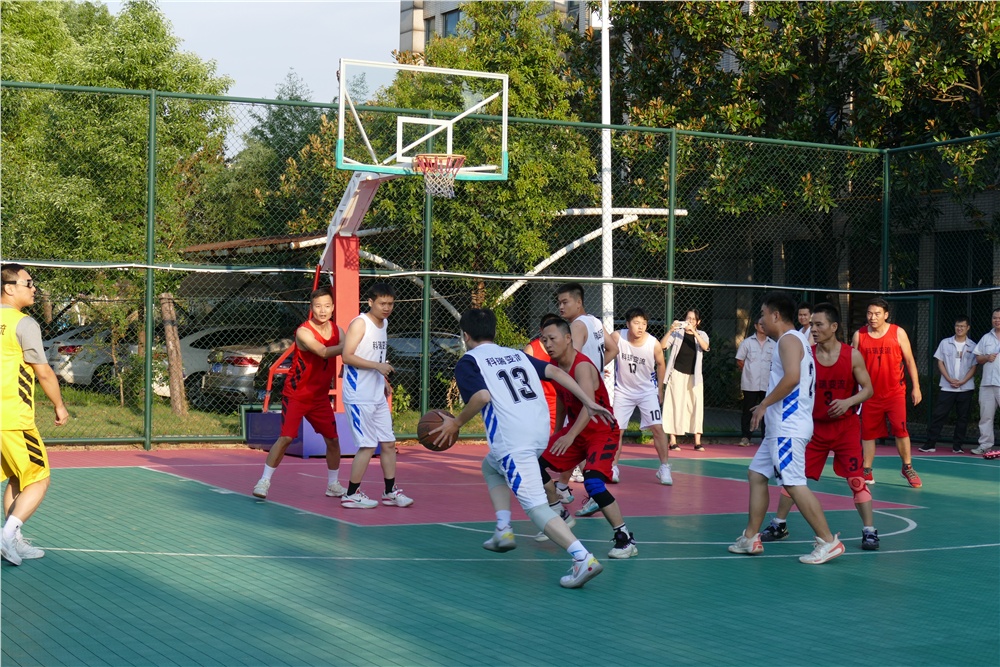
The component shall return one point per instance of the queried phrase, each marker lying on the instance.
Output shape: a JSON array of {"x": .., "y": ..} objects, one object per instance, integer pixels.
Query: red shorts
[
  {"x": 598, "y": 451},
  {"x": 874, "y": 413},
  {"x": 843, "y": 438},
  {"x": 319, "y": 413}
]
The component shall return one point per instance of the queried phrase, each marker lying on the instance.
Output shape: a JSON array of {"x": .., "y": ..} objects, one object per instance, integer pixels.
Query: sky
[{"x": 257, "y": 43}]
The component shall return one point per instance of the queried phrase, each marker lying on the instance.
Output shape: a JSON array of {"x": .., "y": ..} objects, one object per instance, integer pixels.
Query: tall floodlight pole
[{"x": 607, "y": 261}]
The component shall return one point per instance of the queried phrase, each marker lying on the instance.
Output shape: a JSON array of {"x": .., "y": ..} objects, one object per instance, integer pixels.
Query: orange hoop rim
[{"x": 429, "y": 163}]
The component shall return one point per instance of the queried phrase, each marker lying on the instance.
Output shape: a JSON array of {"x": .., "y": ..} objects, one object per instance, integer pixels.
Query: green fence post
[
  {"x": 885, "y": 222},
  {"x": 425, "y": 301},
  {"x": 671, "y": 229},
  {"x": 147, "y": 417}
]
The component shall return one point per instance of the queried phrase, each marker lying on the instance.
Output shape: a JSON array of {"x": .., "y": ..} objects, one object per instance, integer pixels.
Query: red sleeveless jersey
[
  {"x": 884, "y": 361},
  {"x": 574, "y": 406},
  {"x": 538, "y": 352},
  {"x": 310, "y": 376},
  {"x": 834, "y": 383}
]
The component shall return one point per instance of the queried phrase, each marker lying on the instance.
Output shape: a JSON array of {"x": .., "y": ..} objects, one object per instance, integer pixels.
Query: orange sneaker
[{"x": 911, "y": 476}]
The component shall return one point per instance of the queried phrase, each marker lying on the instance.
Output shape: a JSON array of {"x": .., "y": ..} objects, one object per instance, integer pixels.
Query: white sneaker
[
  {"x": 25, "y": 549},
  {"x": 581, "y": 572},
  {"x": 8, "y": 549},
  {"x": 358, "y": 501},
  {"x": 982, "y": 449},
  {"x": 615, "y": 477},
  {"x": 501, "y": 541},
  {"x": 565, "y": 495},
  {"x": 260, "y": 489},
  {"x": 746, "y": 545},
  {"x": 396, "y": 498},
  {"x": 824, "y": 551},
  {"x": 567, "y": 517},
  {"x": 335, "y": 490},
  {"x": 589, "y": 507},
  {"x": 541, "y": 536},
  {"x": 663, "y": 474},
  {"x": 577, "y": 475},
  {"x": 624, "y": 546}
]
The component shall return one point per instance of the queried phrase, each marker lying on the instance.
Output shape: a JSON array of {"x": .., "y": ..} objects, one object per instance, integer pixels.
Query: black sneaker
[
  {"x": 869, "y": 541},
  {"x": 774, "y": 533},
  {"x": 675, "y": 447},
  {"x": 957, "y": 450},
  {"x": 699, "y": 448},
  {"x": 928, "y": 448},
  {"x": 624, "y": 546}
]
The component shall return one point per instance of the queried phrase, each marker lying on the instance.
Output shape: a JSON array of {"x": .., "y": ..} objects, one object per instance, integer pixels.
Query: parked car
[
  {"x": 83, "y": 357},
  {"x": 404, "y": 355},
  {"x": 67, "y": 334},
  {"x": 195, "y": 350},
  {"x": 232, "y": 369}
]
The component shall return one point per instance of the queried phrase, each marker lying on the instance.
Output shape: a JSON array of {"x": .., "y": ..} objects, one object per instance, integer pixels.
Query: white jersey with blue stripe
[
  {"x": 594, "y": 346},
  {"x": 791, "y": 417},
  {"x": 367, "y": 385},
  {"x": 517, "y": 416}
]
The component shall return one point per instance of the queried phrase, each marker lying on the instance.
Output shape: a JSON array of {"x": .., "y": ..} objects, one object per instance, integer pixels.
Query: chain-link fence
[{"x": 220, "y": 214}]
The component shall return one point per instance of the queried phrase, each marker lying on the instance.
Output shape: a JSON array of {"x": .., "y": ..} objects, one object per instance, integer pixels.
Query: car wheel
[
  {"x": 192, "y": 389},
  {"x": 105, "y": 380}
]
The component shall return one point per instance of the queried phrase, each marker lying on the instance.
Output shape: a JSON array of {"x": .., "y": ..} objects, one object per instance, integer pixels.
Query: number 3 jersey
[{"x": 517, "y": 416}]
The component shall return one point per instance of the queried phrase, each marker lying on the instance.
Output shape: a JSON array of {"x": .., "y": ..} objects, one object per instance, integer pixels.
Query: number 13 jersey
[{"x": 517, "y": 416}]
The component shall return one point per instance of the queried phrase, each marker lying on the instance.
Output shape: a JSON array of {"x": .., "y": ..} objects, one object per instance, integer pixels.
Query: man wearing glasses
[
  {"x": 23, "y": 461},
  {"x": 956, "y": 360}
]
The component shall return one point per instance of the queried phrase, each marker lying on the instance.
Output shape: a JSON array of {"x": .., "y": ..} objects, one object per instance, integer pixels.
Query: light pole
[{"x": 607, "y": 248}]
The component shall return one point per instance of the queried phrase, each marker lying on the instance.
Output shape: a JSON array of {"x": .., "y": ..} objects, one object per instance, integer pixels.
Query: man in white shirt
[
  {"x": 956, "y": 361},
  {"x": 754, "y": 361},
  {"x": 988, "y": 354}
]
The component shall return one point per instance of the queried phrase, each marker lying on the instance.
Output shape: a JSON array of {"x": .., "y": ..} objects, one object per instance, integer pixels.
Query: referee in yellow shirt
[{"x": 24, "y": 461}]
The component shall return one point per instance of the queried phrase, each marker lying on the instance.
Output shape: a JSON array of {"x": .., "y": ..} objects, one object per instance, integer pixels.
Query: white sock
[
  {"x": 331, "y": 476},
  {"x": 268, "y": 471},
  {"x": 868, "y": 529},
  {"x": 503, "y": 519},
  {"x": 778, "y": 523},
  {"x": 561, "y": 486},
  {"x": 578, "y": 551},
  {"x": 11, "y": 527}
]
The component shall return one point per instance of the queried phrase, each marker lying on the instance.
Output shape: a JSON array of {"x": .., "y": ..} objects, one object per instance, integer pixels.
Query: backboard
[{"x": 389, "y": 113}]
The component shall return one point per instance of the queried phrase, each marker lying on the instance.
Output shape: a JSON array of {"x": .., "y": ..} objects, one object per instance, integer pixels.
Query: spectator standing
[
  {"x": 684, "y": 403},
  {"x": 956, "y": 361},
  {"x": 987, "y": 353},
  {"x": 754, "y": 361}
]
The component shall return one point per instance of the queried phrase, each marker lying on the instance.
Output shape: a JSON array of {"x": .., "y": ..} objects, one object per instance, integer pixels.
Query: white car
[
  {"x": 82, "y": 356},
  {"x": 195, "y": 348}
]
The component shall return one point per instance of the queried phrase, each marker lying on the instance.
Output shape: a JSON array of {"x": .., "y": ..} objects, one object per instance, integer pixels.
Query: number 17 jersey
[{"x": 517, "y": 416}]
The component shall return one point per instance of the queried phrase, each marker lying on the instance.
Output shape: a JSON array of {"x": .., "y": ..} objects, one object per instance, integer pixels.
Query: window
[
  {"x": 428, "y": 30},
  {"x": 451, "y": 20}
]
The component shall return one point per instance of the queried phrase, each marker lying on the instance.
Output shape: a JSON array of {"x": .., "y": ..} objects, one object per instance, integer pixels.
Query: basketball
[{"x": 428, "y": 423}]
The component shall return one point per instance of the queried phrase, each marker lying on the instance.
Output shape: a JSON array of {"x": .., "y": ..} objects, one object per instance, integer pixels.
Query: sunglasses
[{"x": 29, "y": 283}]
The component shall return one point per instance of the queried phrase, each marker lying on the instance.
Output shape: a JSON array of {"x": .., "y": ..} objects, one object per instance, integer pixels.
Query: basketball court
[{"x": 164, "y": 558}]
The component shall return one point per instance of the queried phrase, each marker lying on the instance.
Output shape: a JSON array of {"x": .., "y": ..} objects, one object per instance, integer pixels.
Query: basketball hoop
[{"x": 439, "y": 171}]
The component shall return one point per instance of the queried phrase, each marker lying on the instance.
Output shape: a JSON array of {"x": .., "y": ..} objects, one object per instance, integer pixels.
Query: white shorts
[
  {"x": 371, "y": 424},
  {"x": 784, "y": 459},
  {"x": 649, "y": 409},
  {"x": 524, "y": 476}
]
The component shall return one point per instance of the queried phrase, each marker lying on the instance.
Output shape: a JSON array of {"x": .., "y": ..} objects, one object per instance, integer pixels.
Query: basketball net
[{"x": 439, "y": 171}]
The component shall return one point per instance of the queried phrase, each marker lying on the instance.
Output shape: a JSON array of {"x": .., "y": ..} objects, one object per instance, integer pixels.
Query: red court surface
[{"x": 447, "y": 487}]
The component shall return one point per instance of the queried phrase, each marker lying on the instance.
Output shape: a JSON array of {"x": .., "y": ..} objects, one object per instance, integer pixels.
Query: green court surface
[{"x": 149, "y": 568}]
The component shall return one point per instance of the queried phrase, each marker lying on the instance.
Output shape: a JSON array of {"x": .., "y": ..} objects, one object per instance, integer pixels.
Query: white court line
[
  {"x": 979, "y": 463},
  {"x": 169, "y": 554},
  {"x": 910, "y": 526},
  {"x": 407, "y": 484}
]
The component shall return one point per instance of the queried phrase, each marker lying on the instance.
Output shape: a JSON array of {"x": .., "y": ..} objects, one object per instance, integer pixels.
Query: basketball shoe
[
  {"x": 577, "y": 475},
  {"x": 911, "y": 476},
  {"x": 774, "y": 532},
  {"x": 358, "y": 501},
  {"x": 261, "y": 487},
  {"x": 396, "y": 498},
  {"x": 8, "y": 549},
  {"x": 590, "y": 507},
  {"x": 565, "y": 495},
  {"x": 663, "y": 474},
  {"x": 615, "y": 477},
  {"x": 335, "y": 490},
  {"x": 823, "y": 551},
  {"x": 581, "y": 572},
  {"x": 502, "y": 540},
  {"x": 867, "y": 474},
  {"x": 869, "y": 540},
  {"x": 624, "y": 545},
  {"x": 747, "y": 545}
]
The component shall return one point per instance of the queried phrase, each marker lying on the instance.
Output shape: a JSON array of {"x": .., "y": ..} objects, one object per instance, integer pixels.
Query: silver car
[{"x": 230, "y": 377}]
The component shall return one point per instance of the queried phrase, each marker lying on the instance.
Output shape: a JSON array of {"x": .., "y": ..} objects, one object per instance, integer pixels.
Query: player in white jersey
[
  {"x": 787, "y": 410},
  {"x": 504, "y": 386},
  {"x": 592, "y": 339},
  {"x": 639, "y": 371},
  {"x": 366, "y": 391}
]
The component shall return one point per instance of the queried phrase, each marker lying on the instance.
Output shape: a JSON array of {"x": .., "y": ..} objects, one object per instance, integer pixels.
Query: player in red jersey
[
  {"x": 840, "y": 371},
  {"x": 307, "y": 391},
  {"x": 888, "y": 357},
  {"x": 583, "y": 440}
]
